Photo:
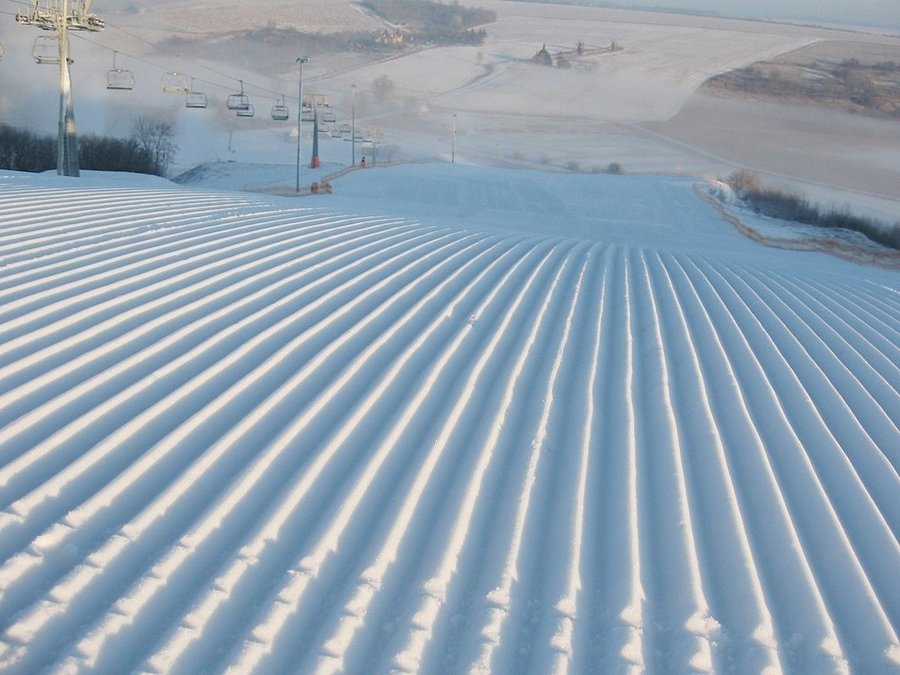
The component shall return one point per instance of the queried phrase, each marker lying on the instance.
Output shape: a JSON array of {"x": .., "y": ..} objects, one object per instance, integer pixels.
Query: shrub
[
  {"x": 745, "y": 180},
  {"x": 776, "y": 203},
  {"x": 382, "y": 87}
]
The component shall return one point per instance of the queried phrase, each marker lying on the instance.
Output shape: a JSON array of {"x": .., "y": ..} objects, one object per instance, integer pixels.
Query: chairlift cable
[
  {"x": 205, "y": 67},
  {"x": 195, "y": 65},
  {"x": 228, "y": 87},
  {"x": 164, "y": 69},
  {"x": 249, "y": 83}
]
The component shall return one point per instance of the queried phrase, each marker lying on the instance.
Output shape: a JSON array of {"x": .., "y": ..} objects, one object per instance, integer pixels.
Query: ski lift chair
[
  {"x": 194, "y": 98},
  {"x": 46, "y": 49},
  {"x": 238, "y": 102},
  {"x": 249, "y": 111},
  {"x": 119, "y": 78},
  {"x": 176, "y": 83},
  {"x": 280, "y": 111}
]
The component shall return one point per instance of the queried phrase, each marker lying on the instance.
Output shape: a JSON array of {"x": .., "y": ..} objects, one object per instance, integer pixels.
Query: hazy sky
[{"x": 856, "y": 12}]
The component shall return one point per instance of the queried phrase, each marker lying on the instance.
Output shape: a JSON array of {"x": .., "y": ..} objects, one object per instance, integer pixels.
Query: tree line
[
  {"x": 150, "y": 149},
  {"x": 776, "y": 203},
  {"x": 435, "y": 22},
  {"x": 873, "y": 89}
]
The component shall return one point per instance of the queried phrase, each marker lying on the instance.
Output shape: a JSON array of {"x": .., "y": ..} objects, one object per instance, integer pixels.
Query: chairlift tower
[
  {"x": 62, "y": 16},
  {"x": 300, "y": 60}
]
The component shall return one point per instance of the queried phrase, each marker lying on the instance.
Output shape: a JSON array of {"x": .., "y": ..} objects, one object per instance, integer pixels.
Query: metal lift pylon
[
  {"x": 314, "y": 161},
  {"x": 57, "y": 15}
]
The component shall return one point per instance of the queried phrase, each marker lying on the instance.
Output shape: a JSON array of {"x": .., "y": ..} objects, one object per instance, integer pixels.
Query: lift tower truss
[{"x": 62, "y": 16}]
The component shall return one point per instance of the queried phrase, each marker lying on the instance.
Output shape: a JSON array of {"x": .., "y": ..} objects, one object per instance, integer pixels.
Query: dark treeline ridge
[
  {"x": 776, "y": 203},
  {"x": 24, "y": 150},
  {"x": 266, "y": 46},
  {"x": 435, "y": 21},
  {"x": 868, "y": 88},
  {"x": 424, "y": 22}
]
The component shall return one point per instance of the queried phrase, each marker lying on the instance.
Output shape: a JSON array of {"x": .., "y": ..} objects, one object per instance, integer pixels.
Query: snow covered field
[
  {"x": 609, "y": 107},
  {"x": 206, "y": 16},
  {"x": 445, "y": 420}
]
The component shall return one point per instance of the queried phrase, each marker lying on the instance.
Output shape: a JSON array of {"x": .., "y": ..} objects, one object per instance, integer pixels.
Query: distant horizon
[{"x": 882, "y": 14}]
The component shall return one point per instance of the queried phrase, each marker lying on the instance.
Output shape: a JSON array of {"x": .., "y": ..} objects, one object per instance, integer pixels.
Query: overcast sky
[{"x": 884, "y": 13}]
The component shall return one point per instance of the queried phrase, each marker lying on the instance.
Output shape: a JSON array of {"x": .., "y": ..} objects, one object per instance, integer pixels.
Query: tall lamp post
[
  {"x": 301, "y": 60},
  {"x": 353, "y": 126}
]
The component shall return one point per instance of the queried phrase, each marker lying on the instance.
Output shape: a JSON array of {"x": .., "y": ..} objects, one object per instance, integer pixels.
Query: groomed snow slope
[{"x": 267, "y": 435}]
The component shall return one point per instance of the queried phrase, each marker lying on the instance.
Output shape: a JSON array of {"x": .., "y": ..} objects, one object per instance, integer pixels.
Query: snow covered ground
[{"x": 447, "y": 419}]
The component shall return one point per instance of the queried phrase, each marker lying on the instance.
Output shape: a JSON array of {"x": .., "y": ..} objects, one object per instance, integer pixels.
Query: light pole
[
  {"x": 301, "y": 60},
  {"x": 353, "y": 126},
  {"x": 453, "y": 142}
]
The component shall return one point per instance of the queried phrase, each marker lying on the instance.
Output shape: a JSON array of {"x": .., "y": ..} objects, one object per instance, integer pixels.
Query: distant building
[
  {"x": 543, "y": 56},
  {"x": 394, "y": 38}
]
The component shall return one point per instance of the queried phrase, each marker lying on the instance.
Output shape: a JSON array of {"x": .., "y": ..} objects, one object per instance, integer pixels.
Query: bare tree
[
  {"x": 745, "y": 181},
  {"x": 157, "y": 138},
  {"x": 382, "y": 87}
]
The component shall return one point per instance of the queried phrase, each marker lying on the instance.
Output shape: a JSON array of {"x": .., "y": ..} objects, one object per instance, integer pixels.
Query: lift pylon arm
[{"x": 46, "y": 14}]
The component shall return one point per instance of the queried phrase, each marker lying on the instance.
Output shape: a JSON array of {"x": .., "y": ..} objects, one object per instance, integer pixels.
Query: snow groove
[
  {"x": 344, "y": 503},
  {"x": 237, "y": 435}
]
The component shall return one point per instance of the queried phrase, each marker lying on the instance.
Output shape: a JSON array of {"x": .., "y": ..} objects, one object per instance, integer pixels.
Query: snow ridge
[{"x": 238, "y": 435}]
